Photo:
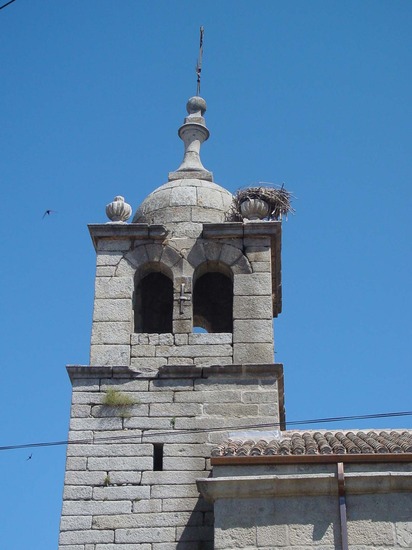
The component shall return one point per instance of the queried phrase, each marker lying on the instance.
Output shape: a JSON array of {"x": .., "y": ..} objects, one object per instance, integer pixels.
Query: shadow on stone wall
[{"x": 199, "y": 531}]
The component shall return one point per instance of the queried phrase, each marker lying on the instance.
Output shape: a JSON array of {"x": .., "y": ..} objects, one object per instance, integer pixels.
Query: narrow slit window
[{"x": 158, "y": 457}]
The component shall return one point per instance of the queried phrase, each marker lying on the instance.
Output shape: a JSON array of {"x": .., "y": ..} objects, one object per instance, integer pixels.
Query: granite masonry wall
[
  {"x": 131, "y": 469},
  {"x": 295, "y": 507}
]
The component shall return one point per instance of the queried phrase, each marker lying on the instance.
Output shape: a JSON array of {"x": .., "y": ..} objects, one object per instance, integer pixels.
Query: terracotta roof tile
[{"x": 320, "y": 443}]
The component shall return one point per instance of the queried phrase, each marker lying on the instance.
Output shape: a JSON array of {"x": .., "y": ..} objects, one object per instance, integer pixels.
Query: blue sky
[{"x": 313, "y": 94}]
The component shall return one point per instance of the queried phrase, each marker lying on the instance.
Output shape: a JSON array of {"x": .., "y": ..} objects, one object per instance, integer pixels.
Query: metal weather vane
[{"x": 199, "y": 61}]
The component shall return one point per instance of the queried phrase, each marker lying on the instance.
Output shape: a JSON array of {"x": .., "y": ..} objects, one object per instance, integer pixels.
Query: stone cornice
[
  {"x": 303, "y": 484},
  {"x": 114, "y": 231}
]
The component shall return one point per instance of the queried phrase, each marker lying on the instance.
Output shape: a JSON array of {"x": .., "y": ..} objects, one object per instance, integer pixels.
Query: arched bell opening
[
  {"x": 153, "y": 301},
  {"x": 213, "y": 299}
]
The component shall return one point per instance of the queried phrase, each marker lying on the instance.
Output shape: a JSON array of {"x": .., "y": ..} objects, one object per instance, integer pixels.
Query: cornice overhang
[{"x": 118, "y": 231}]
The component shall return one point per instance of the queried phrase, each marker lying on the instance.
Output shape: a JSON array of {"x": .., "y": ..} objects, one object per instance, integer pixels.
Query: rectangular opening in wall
[{"x": 157, "y": 457}]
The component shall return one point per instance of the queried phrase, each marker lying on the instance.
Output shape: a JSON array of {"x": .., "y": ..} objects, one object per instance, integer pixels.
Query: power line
[
  {"x": 273, "y": 425},
  {"x": 7, "y": 4}
]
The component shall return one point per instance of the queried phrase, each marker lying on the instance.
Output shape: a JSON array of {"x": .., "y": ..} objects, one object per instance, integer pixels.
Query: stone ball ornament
[
  {"x": 118, "y": 211},
  {"x": 196, "y": 104}
]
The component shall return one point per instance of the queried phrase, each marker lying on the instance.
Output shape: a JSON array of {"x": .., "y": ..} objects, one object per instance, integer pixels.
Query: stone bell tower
[{"x": 181, "y": 357}]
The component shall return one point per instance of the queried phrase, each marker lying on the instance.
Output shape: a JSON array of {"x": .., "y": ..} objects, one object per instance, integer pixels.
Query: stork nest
[{"x": 278, "y": 199}]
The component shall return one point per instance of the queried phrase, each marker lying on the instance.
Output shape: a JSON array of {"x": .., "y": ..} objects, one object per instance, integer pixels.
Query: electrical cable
[
  {"x": 155, "y": 433},
  {"x": 7, "y": 4}
]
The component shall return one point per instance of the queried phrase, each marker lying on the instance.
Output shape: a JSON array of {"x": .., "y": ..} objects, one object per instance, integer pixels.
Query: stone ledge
[
  {"x": 298, "y": 485},
  {"x": 126, "y": 230},
  {"x": 274, "y": 370}
]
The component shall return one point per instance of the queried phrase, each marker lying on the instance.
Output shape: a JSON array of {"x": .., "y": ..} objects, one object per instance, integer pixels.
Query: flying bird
[
  {"x": 48, "y": 212},
  {"x": 29, "y": 457}
]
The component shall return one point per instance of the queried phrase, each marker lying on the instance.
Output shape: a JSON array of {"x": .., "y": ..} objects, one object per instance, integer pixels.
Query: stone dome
[
  {"x": 183, "y": 205},
  {"x": 190, "y": 198}
]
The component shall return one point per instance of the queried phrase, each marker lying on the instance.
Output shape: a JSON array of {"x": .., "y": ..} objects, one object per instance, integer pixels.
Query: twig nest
[
  {"x": 118, "y": 211},
  {"x": 260, "y": 203},
  {"x": 254, "y": 209}
]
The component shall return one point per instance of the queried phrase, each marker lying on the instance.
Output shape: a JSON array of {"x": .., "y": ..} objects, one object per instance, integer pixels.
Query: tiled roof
[{"x": 320, "y": 443}]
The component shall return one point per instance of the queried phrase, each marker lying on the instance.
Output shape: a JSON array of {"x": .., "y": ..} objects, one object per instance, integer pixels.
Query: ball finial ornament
[
  {"x": 118, "y": 211},
  {"x": 196, "y": 104}
]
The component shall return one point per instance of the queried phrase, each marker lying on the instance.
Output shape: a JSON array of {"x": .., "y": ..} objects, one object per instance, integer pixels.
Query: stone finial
[
  {"x": 118, "y": 211},
  {"x": 193, "y": 133}
]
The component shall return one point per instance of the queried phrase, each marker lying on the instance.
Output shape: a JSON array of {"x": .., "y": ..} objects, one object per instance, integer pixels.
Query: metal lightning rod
[{"x": 199, "y": 61}]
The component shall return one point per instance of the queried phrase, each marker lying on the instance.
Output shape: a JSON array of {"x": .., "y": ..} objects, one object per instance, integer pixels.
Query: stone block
[
  {"x": 156, "y": 534},
  {"x": 152, "y": 423},
  {"x": 180, "y": 361},
  {"x": 110, "y": 449},
  {"x": 112, "y": 310},
  {"x": 138, "y": 256},
  {"x": 210, "y": 338},
  {"x": 183, "y": 196},
  {"x": 253, "y": 353},
  {"x": 76, "y": 463},
  {"x": 194, "y": 534},
  {"x": 269, "y": 409},
  {"x": 84, "y": 478},
  {"x": 93, "y": 507},
  {"x": 175, "y": 477},
  {"x": 82, "y": 492},
  {"x": 108, "y": 258},
  {"x": 125, "y": 477},
  {"x": 199, "y": 350},
  {"x": 182, "y": 326},
  {"x": 112, "y": 355},
  {"x": 154, "y": 252},
  {"x": 260, "y": 330},
  {"x": 171, "y": 385},
  {"x": 205, "y": 215},
  {"x": 230, "y": 254},
  {"x": 230, "y": 410},
  {"x": 209, "y": 199},
  {"x": 114, "y": 287},
  {"x": 75, "y": 523},
  {"x": 211, "y": 361},
  {"x": 114, "y": 245},
  {"x": 143, "y": 350},
  {"x": 262, "y": 267},
  {"x": 258, "y": 253},
  {"x": 80, "y": 411},
  {"x": 217, "y": 396},
  {"x": 147, "y": 506},
  {"x": 96, "y": 424},
  {"x": 186, "y": 504},
  {"x": 105, "y": 411},
  {"x": 111, "y": 333},
  {"x": 144, "y": 364},
  {"x": 84, "y": 384},
  {"x": 175, "y": 409},
  {"x": 188, "y": 229},
  {"x": 252, "y": 307},
  {"x": 181, "y": 339},
  {"x": 253, "y": 284},
  {"x": 121, "y": 493},
  {"x": 175, "y": 491},
  {"x": 105, "y": 270},
  {"x": 120, "y": 463},
  {"x": 261, "y": 396},
  {"x": 86, "y": 536},
  {"x": 181, "y": 463}
]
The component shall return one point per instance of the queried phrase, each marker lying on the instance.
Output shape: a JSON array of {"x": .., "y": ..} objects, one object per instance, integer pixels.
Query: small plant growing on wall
[{"x": 120, "y": 401}]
